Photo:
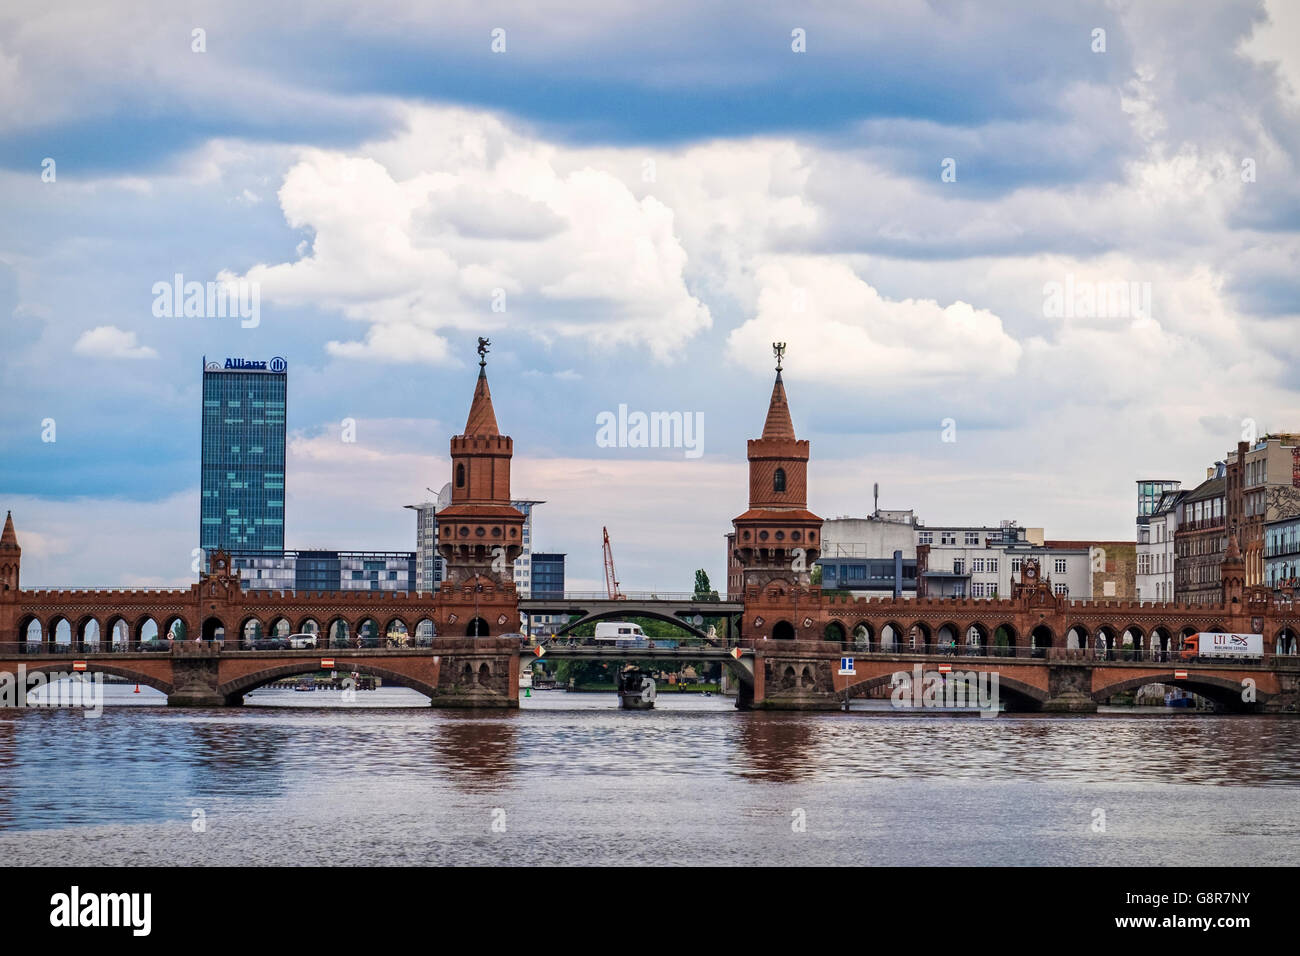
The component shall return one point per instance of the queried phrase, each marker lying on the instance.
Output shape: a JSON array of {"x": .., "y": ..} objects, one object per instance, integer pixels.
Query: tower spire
[
  {"x": 481, "y": 533},
  {"x": 778, "y": 538},
  {"x": 482, "y": 418},
  {"x": 11, "y": 556}
]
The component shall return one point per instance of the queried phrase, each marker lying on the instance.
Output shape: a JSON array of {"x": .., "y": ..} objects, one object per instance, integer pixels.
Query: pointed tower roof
[
  {"x": 10, "y": 537},
  {"x": 482, "y": 418},
  {"x": 778, "y": 424},
  {"x": 1234, "y": 551}
]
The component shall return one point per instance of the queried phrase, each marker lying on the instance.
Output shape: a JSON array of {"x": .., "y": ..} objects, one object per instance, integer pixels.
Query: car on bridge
[
  {"x": 156, "y": 644},
  {"x": 302, "y": 641},
  {"x": 619, "y": 633},
  {"x": 269, "y": 644}
]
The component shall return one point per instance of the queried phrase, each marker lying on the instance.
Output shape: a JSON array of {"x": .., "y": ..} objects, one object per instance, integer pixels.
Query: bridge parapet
[{"x": 77, "y": 594}]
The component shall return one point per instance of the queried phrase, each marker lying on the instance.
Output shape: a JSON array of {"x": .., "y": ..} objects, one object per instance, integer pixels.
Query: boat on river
[{"x": 636, "y": 689}]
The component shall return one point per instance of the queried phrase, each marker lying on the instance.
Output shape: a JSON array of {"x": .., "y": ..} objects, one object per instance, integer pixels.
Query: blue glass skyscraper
[{"x": 242, "y": 498}]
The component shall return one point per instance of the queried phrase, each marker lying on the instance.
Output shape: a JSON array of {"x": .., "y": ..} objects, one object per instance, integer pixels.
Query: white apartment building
[
  {"x": 1154, "y": 580},
  {"x": 982, "y": 561}
]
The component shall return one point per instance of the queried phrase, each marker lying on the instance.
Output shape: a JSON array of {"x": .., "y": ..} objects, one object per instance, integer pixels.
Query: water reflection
[
  {"x": 418, "y": 784},
  {"x": 477, "y": 748},
  {"x": 777, "y": 747}
]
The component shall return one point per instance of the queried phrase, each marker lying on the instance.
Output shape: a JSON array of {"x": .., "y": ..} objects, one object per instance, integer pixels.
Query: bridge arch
[
  {"x": 1105, "y": 642},
  {"x": 339, "y": 632},
  {"x": 835, "y": 632},
  {"x": 1041, "y": 639},
  {"x": 175, "y": 628},
  {"x": 214, "y": 629},
  {"x": 87, "y": 630},
  {"x": 863, "y": 636},
  {"x": 977, "y": 637},
  {"x": 60, "y": 631},
  {"x": 1076, "y": 638},
  {"x": 1285, "y": 641},
  {"x": 1134, "y": 636},
  {"x": 1222, "y": 690},
  {"x": 280, "y": 626},
  {"x": 947, "y": 635},
  {"x": 891, "y": 638},
  {"x": 30, "y": 630},
  {"x": 640, "y": 610},
  {"x": 308, "y": 625},
  {"x": 1161, "y": 643},
  {"x": 144, "y": 629},
  {"x": 240, "y": 686},
  {"x": 250, "y": 629},
  {"x": 398, "y": 626},
  {"x": 919, "y": 636},
  {"x": 783, "y": 631},
  {"x": 1005, "y": 635},
  {"x": 94, "y": 666},
  {"x": 1018, "y": 695}
]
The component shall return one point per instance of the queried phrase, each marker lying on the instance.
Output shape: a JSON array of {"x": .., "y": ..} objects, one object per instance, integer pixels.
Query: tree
[{"x": 702, "y": 583}]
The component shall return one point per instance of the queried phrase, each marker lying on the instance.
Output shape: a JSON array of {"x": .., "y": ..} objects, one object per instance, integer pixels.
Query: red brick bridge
[{"x": 1050, "y": 652}]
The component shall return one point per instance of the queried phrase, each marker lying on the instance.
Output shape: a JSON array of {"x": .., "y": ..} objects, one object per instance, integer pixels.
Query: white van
[
  {"x": 617, "y": 632},
  {"x": 302, "y": 641}
]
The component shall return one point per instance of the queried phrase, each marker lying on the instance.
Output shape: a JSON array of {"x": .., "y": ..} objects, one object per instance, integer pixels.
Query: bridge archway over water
[
  {"x": 1015, "y": 695},
  {"x": 1225, "y": 692},
  {"x": 100, "y": 667},
  {"x": 238, "y": 687}
]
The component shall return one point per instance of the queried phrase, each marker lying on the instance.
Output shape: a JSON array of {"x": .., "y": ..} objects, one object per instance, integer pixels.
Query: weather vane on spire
[
  {"x": 778, "y": 349},
  {"x": 482, "y": 351}
]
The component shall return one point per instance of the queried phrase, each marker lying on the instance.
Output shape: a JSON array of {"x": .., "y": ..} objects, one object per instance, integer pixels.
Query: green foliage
[{"x": 702, "y": 583}]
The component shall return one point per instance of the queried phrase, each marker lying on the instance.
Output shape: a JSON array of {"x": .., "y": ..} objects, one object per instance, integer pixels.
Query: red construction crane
[{"x": 611, "y": 579}]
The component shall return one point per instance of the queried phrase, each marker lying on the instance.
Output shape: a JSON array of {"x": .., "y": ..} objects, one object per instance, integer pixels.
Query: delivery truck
[{"x": 1219, "y": 645}]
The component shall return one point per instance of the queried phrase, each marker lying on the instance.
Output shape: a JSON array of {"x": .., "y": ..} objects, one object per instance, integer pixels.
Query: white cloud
[
  {"x": 489, "y": 232},
  {"x": 108, "y": 341},
  {"x": 843, "y": 330}
]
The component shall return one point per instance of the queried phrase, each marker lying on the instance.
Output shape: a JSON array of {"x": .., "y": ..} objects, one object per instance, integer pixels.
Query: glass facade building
[
  {"x": 241, "y": 506},
  {"x": 326, "y": 570},
  {"x": 548, "y": 575}
]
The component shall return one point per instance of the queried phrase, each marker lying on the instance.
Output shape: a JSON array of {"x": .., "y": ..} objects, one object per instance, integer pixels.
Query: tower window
[
  {"x": 778, "y": 480},
  {"x": 460, "y": 476}
]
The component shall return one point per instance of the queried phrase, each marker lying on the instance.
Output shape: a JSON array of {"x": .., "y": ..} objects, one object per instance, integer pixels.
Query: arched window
[
  {"x": 460, "y": 476},
  {"x": 778, "y": 480}
]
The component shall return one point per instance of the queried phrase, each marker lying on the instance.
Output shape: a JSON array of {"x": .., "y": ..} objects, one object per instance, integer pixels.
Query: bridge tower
[
  {"x": 11, "y": 556},
  {"x": 778, "y": 538},
  {"x": 1232, "y": 574},
  {"x": 480, "y": 534}
]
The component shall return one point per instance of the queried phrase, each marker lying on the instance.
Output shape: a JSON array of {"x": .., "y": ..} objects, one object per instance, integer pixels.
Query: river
[{"x": 570, "y": 779}]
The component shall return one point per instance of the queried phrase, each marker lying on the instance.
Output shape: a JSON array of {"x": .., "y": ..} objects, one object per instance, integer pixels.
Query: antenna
[{"x": 875, "y": 491}]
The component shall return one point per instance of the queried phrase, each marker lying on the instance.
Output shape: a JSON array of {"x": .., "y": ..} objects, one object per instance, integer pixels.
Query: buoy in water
[
  {"x": 137, "y": 688},
  {"x": 528, "y": 692}
]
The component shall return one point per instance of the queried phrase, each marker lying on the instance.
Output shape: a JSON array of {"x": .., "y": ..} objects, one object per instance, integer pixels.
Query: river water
[{"x": 569, "y": 779}]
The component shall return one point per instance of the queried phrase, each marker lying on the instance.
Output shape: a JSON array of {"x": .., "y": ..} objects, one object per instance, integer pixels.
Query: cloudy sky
[{"x": 633, "y": 206}]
